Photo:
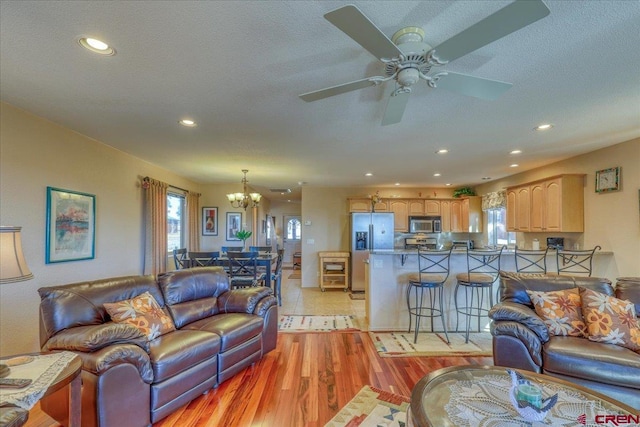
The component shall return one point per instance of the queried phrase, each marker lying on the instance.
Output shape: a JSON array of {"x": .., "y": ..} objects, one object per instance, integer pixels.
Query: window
[
  {"x": 497, "y": 228},
  {"x": 293, "y": 229},
  {"x": 175, "y": 221}
]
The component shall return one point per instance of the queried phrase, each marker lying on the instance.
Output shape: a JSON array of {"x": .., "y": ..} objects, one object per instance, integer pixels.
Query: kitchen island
[{"x": 387, "y": 281}]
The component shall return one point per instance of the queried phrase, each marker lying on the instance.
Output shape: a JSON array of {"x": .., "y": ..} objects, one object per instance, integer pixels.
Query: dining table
[{"x": 265, "y": 260}]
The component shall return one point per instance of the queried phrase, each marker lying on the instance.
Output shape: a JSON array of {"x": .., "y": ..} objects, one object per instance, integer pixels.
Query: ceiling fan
[{"x": 408, "y": 58}]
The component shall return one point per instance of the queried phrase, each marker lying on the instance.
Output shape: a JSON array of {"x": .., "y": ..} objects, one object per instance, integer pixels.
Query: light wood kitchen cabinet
[
  {"x": 416, "y": 207},
  {"x": 556, "y": 205},
  {"x": 445, "y": 214},
  {"x": 381, "y": 206},
  {"x": 359, "y": 205},
  {"x": 519, "y": 208},
  {"x": 465, "y": 215},
  {"x": 401, "y": 214},
  {"x": 432, "y": 207},
  {"x": 455, "y": 207}
]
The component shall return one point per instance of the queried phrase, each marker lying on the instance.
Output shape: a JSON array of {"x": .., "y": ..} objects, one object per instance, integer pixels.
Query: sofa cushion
[
  {"x": 629, "y": 288},
  {"x": 560, "y": 311},
  {"x": 144, "y": 313},
  {"x": 233, "y": 328},
  {"x": 581, "y": 358},
  {"x": 514, "y": 286},
  {"x": 610, "y": 320},
  {"x": 178, "y": 351}
]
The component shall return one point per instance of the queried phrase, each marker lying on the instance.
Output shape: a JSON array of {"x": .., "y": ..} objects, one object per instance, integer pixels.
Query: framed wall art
[
  {"x": 234, "y": 224},
  {"x": 210, "y": 221},
  {"x": 608, "y": 180},
  {"x": 71, "y": 218}
]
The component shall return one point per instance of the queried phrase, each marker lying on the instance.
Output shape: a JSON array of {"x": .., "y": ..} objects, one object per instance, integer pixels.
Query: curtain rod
[{"x": 170, "y": 185}]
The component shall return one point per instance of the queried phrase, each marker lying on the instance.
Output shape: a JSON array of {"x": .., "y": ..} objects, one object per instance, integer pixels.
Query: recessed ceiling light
[
  {"x": 96, "y": 46},
  {"x": 486, "y": 178},
  {"x": 515, "y": 152},
  {"x": 436, "y": 174},
  {"x": 188, "y": 123},
  {"x": 545, "y": 126},
  {"x": 515, "y": 165},
  {"x": 397, "y": 183},
  {"x": 368, "y": 174},
  {"x": 448, "y": 185},
  {"x": 442, "y": 151}
]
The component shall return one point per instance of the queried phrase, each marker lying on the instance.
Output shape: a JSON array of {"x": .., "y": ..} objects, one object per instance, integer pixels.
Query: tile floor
[{"x": 298, "y": 300}]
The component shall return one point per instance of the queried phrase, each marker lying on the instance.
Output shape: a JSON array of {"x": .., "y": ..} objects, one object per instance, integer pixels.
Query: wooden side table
[{"x": 70, "y": 376}]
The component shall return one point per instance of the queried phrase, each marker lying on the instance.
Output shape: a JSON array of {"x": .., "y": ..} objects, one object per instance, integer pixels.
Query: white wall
[{"x": 34, "y": 154}]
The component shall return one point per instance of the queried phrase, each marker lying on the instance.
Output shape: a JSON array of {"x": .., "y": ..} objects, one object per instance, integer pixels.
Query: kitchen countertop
[{"x": 400, "y": 251}]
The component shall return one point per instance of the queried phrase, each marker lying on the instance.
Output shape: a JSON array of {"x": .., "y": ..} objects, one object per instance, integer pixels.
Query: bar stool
[
  {"x": 531, "y": 261},
  {"x": 574, "y": 262},
  {"x": 483, "y": 268},
  {"x": 433, "y": 271}
]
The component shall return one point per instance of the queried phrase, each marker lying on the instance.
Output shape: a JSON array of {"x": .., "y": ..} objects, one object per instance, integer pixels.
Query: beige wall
[{"x": 34, "y": 154}]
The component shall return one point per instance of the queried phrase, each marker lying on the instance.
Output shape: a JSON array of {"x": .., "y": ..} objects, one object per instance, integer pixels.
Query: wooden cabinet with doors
[
  {"x": 465, "y": 215},
  {"x": 432, "y": 207},
  {"x": 400, "y": 217},
  {"x": 360, "y": 205},
  {"x": 334, "y": 270},
  {"x": 416, "y": 207},
  {"x": 555, "y": 205},
  {"x": 519, "y": 208},
  {"x": 445, "y": 215},
  {"x": 381, "y": 206}
]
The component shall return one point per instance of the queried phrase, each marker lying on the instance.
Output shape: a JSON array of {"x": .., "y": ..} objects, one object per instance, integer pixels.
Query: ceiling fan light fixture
[{"x": 408, "y": 76}]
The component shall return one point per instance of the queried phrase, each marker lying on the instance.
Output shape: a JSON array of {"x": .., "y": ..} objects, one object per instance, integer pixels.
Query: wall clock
[{"x": 608, "y": 180}]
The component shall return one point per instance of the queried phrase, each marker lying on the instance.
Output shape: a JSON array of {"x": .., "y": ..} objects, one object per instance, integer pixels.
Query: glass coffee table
[{"x": 479, "y": 395}]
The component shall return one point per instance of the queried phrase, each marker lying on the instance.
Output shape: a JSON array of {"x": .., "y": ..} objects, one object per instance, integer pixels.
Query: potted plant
[
  {"x": 243, "y": 235},
  {"x": 464, "y": 191}
]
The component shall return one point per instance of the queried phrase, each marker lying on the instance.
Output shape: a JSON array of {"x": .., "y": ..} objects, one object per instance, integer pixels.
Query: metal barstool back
[
  {"x": 433, "y": 271},
  {"x": 531, "y": 260},
  {"x": 575, "y": 262},
  {"x": 483, "y": 269}
]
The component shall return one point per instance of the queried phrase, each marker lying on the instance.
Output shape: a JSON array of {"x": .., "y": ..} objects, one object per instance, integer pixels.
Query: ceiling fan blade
[
  {"x": 395, "y": 108},
  {"x": 510, "y": 18},
  {"x": 337, "y": 90},
  {"x": 350, "y": 20},
  {"x": 472, "y": 86}
]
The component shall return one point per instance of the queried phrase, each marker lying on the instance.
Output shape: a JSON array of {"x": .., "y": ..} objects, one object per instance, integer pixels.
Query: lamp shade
[{"x": 13, "y": 267}]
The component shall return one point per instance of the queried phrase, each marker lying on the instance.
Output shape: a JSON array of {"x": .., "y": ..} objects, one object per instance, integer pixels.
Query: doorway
[{"x": 291, "y": 238}]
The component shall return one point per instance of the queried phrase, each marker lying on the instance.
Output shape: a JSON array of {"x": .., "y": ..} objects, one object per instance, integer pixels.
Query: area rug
[
  {"x": 372, "y": 407},
  {"x": 317, "y": 323},
  {"x": 295, "y": 275},
  {"x": 356, "y": 296},
  {"x": 398, "y": 344}
]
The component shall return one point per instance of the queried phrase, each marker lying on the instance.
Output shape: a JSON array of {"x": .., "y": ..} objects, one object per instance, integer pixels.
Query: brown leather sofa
[
  {"x": 130, "y": 381},
  {"x": 521, "y": 339}
]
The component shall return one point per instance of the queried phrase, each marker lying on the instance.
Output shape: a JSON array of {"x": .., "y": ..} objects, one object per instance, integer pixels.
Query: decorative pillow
[
  {"x": 560, "y": 311},
  {"x": 610, "y": 320},
  {"x": 144, "y": 313}
]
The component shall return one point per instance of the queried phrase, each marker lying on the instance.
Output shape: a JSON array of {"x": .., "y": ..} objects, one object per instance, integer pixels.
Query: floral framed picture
[
  {"x": 234, "y": 224},
  {"x": 71, "y": 232},
  {"x": 210, "y": 221}
]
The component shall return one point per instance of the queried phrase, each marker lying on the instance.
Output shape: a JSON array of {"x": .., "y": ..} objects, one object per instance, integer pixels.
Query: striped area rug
[
  {"x": 398, "y": 344},
  {"x": 372, "y": 407},
  {"x": 294, "y": 323}
]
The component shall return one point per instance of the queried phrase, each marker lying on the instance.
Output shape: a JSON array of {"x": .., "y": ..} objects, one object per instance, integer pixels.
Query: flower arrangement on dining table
[{"x": 243, "y": 235}]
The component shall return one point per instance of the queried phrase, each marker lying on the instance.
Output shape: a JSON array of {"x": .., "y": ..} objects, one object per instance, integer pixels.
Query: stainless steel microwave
[{"x": 425, "y": 224}]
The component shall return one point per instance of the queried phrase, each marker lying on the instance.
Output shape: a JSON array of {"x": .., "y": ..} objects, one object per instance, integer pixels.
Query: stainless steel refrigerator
[{"x": 369, "y": 231}]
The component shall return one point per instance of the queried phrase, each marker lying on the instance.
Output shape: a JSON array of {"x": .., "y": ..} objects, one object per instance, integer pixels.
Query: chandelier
[{"x": 244, "y": 199}]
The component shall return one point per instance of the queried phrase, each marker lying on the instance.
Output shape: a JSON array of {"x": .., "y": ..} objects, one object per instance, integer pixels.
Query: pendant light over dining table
[{"x": 244, "y": 199}]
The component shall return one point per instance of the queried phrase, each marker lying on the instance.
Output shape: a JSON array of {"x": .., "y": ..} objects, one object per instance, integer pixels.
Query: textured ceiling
[{"x": 237, "y": 68}]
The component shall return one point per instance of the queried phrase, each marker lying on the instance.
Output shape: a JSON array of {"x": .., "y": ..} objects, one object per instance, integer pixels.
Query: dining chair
[
  {"x": 433, "y": 271},
  {"x": 531, "y": 260},
  {"x": 276, "y": 277},
  {"x": 483, "y": 269},
  {"x": 243, "y": 269},
  {"x": 575, "y": 262},
  {"x": 181, "y": 259},
  {"x": 225, "y": 249},
  {"x": 204, "y": 259}
]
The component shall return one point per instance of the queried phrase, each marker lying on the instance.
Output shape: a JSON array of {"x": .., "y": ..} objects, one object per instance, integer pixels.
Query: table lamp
[{"x": 13, "y": 267}]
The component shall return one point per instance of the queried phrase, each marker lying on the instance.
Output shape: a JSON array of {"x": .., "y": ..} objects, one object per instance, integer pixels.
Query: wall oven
[{"x": 425, "y": 224}]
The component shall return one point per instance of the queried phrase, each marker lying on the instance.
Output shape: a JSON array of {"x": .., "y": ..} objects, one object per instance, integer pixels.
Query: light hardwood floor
[{"x": 307, "y": 378}]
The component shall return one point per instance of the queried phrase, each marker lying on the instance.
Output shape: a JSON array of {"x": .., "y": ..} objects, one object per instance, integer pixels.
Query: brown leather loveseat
[
  {"x": 128, "y": 380},
  {"x": 521, "y": 339}
]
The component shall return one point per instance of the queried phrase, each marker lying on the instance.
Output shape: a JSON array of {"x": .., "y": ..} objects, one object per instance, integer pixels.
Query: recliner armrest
[
  {"x": 529, "y": 339},
  {"x": 245, "y": 300},
  {"x": 514, "y": 312},
  {"x": 94, "y": 337},
  {"x": 99, "y": 362}
]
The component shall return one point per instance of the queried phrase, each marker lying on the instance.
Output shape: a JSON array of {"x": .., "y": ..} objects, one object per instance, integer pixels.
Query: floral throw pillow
[
  {"x": 144, "y": 313},
  {"x": 560, "y": 311},
  {"x": 610, "y": 320}
]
